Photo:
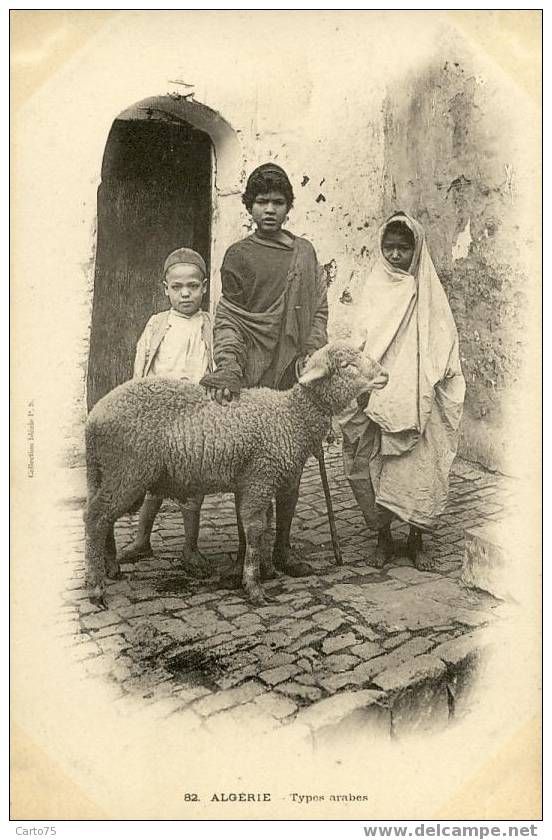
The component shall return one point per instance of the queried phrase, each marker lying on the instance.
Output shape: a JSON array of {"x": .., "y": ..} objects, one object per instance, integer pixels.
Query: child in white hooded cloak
[{"x": 399, "y": 447}]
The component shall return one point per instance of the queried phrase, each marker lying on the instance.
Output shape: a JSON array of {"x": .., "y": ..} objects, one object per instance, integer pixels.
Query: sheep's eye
[{"x": 349, "y": 365}]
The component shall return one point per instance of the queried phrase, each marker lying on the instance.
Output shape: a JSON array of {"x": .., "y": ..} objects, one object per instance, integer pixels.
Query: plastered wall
[{"x": 368, "y": 112}]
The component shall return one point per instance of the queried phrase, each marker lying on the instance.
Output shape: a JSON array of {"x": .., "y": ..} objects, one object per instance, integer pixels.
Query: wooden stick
[{"x": 329, "y": 507}]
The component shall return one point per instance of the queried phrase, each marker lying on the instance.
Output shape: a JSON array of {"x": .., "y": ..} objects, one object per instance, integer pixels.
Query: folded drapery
[
  {"x": 398, "y": 451},
  {"x": 257, "y": 348}
]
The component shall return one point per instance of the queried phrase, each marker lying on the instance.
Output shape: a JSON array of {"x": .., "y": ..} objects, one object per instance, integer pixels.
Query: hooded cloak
[{"x": 398, "y": 450}]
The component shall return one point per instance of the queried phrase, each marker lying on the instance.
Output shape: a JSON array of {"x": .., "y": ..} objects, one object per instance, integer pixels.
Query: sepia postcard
[{"x": 275, "y": 412}]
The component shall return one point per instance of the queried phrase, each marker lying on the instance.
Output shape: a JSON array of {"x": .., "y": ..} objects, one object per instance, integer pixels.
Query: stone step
[{"x": 488, "y": 562}]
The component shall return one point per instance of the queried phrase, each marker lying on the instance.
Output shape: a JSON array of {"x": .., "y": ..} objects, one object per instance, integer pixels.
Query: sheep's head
[{"x": 339, "y": 373}]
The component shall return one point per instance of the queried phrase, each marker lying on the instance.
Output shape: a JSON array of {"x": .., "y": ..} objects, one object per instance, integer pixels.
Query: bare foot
[
  {"x": 424, "y": 562},
  {"x": 385, "y": 549},
  {"x": 268, "y": 570},
  {"x": 289, "y": 563},
  {"x": 135, "y": 551},
  {"x": 298, "y": 569},
  {"x": 231, "y": 581},
  {"x": 414, "y": 544},
  {"x": 378, "y": 558},
  {"x": 112, "y": 569}
]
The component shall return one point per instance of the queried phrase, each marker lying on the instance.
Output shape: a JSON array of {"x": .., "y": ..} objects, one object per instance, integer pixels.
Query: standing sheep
[{"x": 167, "y": 436}]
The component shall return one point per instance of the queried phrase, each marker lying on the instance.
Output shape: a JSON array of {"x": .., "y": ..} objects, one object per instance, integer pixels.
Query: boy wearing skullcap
[{"x": 176, "y": 343}]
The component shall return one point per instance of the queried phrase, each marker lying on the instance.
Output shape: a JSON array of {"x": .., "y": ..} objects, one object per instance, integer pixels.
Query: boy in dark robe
[{"x": 272, "y": 315}]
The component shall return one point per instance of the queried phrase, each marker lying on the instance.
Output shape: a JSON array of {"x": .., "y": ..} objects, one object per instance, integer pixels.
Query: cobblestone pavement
[{"x": 364, "y": 637}]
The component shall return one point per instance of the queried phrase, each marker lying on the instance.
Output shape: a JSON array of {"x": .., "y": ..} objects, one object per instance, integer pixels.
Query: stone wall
[
  {"x": 455, "y": 158},
  {"x": 362, "y": 128}
]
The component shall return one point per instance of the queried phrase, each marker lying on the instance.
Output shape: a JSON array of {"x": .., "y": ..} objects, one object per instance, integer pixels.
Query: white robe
[
  {"x": 399, "y": 450},
  {"x": 182, "y": 353}
]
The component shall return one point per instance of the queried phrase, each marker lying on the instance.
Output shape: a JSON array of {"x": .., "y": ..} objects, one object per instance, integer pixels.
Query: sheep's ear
[
  {"x": 314, "y": 373},
  {"x": 361, "y": 347}
]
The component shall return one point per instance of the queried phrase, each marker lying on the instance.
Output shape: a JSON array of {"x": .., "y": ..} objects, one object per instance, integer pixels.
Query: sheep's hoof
[
  {"x": 97, "y": 598},
  {"x": 255, "y": 595},
  {"x": 195, "y": 564}
]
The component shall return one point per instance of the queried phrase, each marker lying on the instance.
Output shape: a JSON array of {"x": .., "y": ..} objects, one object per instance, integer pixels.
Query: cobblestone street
[{"x": 396, "y": 646}]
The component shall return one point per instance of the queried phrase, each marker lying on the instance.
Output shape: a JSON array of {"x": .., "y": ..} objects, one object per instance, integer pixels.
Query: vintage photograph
[{"x": 276, "y": 437}]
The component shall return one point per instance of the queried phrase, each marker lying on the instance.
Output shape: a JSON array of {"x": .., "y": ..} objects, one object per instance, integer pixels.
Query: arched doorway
[{"x": 166, "y": 164}]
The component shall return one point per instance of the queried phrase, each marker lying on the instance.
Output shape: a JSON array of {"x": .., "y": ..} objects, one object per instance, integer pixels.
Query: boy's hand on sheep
[
  {"x": 222, "y": 385},
  {"x": 300, "y": 365},
  {"x": 221, "y": 395}
]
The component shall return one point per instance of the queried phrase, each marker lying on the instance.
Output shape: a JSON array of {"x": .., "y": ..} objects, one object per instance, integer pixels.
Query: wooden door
[{"x": 155, "y": 196}]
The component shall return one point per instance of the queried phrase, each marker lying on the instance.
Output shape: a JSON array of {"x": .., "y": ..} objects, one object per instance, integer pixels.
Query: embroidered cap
[{"x": 185, "y": 256}]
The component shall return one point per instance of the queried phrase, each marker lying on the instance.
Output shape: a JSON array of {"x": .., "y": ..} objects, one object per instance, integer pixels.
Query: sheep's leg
[
  {"x": 100, "y": 517},
  {"x": 97, "y": 532},
  {"x": 111, "y": 564},
  {"x": 240, "y": 557},
  {"x": 254, "y": 530},
  {"x": 254, "y": 523},
  {"x": 268, "y": 569},
  {"x": 286, "y": 502},
  {"x": 140, "y": 547},
  {"x": 193, "y": 562}
]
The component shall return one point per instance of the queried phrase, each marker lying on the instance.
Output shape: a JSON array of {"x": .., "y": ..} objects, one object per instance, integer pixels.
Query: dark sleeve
[
  {"x": 231, "y": 287},
  {"x": 234, "y": 274},
  {"x": 318, "y": 335},
  {"x": 229, "y": 349}
]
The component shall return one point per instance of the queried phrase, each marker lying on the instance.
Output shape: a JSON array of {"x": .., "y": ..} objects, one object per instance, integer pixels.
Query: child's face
[
  {"x": 185, "y": 286},
  {"x": 269, "y": 211},
  {"x": 397, "y": 250}
]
